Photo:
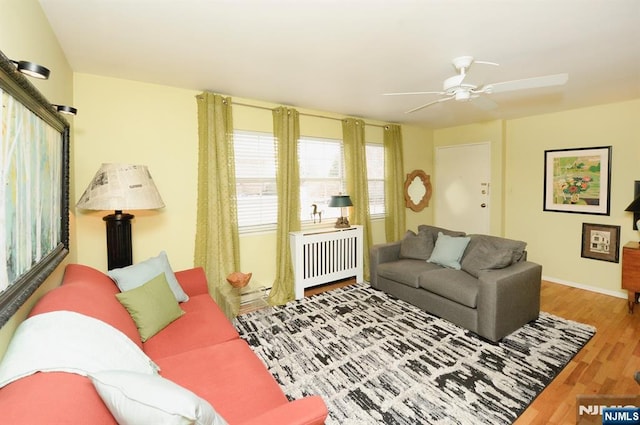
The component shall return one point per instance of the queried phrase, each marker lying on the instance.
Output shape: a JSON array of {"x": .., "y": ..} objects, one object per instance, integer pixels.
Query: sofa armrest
[
  {"x": 508, "y": 298},
  {"x": 382, "y": 253},
  {"x": 310, "y": 410},
  {"x": 193, "y": 281}
]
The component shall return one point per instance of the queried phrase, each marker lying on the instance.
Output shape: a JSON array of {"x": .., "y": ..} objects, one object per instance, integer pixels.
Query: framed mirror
[{"x": 417, "y": 190}]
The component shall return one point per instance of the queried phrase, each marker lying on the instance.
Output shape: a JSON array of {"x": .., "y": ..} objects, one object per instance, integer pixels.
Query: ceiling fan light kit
[{"x": 456, "y": 88}]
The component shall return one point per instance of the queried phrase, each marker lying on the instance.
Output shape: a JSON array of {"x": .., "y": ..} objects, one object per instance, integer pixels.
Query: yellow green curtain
[
  {"x": 395, "y": 220},
  {"x": 217, "y": 241},
  {"x": 286, "y": 129},
  {"x": 356, "y": 179}
]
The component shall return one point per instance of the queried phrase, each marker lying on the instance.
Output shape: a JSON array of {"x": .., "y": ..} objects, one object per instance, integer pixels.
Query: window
[
  {"x": 257, "y": 198},
  {"x": 321, "y": 175},
  {"x": 375, "y": 177}
]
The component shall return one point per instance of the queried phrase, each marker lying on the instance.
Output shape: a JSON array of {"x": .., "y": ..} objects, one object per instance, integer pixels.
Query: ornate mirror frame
[{"x": 417, "y": 190}]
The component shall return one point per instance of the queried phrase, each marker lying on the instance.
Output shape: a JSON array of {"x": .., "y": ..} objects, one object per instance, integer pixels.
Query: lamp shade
[
  {"x": 340, "y": 201},
  {"x": 121, "y": 187},
  {"x": 634, "y": 206}
]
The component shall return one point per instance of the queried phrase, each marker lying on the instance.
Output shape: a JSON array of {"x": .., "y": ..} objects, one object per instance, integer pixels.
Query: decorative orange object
[{"x": 239, "y": 279}]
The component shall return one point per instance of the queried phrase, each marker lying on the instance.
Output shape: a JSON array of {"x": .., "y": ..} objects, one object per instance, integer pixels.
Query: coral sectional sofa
[{"x": 207, "y": 374}]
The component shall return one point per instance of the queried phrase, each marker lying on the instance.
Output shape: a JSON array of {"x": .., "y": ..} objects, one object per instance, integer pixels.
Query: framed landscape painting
[{"x": 577, "y": 180}]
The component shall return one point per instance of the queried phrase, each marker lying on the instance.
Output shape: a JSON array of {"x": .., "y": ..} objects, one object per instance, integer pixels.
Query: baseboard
[{"x": 613, "y": 293}]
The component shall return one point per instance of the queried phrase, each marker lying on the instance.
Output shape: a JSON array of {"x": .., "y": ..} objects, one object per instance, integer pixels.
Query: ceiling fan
[{"x": 458, "y": 88}]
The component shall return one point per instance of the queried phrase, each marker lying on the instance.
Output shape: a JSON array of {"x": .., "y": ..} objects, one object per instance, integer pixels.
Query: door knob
[{"x": 483, "y": 205}]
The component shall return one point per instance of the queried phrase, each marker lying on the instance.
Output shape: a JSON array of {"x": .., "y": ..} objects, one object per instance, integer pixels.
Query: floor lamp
[{"x": 120, "y": 187}]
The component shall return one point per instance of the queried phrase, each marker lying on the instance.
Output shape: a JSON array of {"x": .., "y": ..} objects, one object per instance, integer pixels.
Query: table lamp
[
  {"x": 341, "y": 201},
  {"x": 120, "y": 187},
  {"x": 634, "y": 207}
]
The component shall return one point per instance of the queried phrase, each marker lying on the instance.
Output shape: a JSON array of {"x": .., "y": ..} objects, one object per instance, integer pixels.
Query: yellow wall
[
  {"x": 136, "y": 122},
  {"x": 127, "y": 121},
  {"x": 25, "y": 35},
  {"x": 418, "y": 155},
  {"x": 554, "y": 239},
  {"x": 131, "y": 122}
]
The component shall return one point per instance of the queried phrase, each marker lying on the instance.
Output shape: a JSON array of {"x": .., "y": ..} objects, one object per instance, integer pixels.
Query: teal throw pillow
[{"x": 448, "y": 250}]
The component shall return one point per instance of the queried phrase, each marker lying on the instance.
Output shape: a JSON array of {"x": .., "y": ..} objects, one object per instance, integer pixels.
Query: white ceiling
[{"x": 341, "y": 55}]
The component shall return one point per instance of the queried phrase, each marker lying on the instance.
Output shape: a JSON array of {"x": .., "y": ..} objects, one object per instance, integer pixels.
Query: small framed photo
[
  {"x": 577, "y": 180},
  {"x": 601, "y": 242}
]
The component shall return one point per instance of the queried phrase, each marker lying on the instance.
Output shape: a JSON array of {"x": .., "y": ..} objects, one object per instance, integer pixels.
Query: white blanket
[{"x": 65, "y": 341}]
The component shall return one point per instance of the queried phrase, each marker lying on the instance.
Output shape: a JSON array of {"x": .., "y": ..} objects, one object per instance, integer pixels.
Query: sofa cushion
[
  {"x": 53, "y": 397},
  {"x": 405, "y": 271},
  {"x": 448, "y": 251},
  {"x": 97, "y": 301},
  {"x": 135, "y": 398},
  {"x": 454, "y": 285},
  {"x": 249, "y": 389},
  {"x": 203, "y": 324},
  {"x": 79, "y": 273},
  {"x": 138, "y": 274},
  {"x": 487, "y": 252},
  {"x": 433, "y": 231},
  {"x": 152, "y": 306},
  {"x": 416, "y": 246}
]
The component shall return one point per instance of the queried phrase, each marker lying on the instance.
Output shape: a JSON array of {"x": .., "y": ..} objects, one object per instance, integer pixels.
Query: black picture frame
[
  {"x": 47, "y": 249},
  {"x": 636, "y": 193},
  {"x": 601, "y": 242},
  {"x": 578, "y": 180}
]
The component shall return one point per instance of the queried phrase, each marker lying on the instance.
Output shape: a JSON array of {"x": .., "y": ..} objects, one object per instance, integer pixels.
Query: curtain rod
[{"x": 305, "y": 114}]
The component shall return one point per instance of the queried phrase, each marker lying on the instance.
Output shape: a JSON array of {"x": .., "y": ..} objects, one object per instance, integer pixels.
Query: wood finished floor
[{"x": 606, "y": 365}]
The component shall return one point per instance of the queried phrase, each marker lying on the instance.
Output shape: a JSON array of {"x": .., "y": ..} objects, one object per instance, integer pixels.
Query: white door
[{"x": 462, "y": 185}]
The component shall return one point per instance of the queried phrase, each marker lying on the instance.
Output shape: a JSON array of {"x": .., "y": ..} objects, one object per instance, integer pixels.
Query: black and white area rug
[{"x": 376, "y": 359}]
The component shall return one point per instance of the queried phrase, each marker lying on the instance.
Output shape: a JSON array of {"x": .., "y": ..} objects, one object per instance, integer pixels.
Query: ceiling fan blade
[
  {"x": 527, "y": 83},
  {"x": 412, "y": 93},
  {"x": 444, "y": 99},
  {"x": 484, "y": 103},
  {"x": 486, "y": 63}
]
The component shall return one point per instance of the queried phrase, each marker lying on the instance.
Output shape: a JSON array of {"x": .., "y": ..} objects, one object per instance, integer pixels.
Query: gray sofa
[{"x": 480, "y": 282}]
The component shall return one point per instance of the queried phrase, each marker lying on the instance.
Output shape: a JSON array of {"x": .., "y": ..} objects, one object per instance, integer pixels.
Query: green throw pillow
[
  {"x": 448, "y": 251},
  {"x": 152, "y": 306}
]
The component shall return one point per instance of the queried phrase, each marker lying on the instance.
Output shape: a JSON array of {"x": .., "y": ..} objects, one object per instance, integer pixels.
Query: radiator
[{"x": 324, "y": 256}]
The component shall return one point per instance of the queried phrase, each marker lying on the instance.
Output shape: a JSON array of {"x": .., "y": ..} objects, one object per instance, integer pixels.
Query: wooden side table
[{"x": 631, "y": 272}]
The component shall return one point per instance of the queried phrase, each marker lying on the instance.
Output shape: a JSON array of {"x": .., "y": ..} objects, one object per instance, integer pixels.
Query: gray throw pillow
[
  {"x": 487, "y": 252},
  {"x": 433, "y": 231},
  {"x": 417, "y": 247}
]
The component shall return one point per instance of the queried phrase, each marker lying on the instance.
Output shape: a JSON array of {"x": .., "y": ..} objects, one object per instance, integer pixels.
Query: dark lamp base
[
  {"x": 342, "y": 223},
  {"x": 119, "y": 251}
]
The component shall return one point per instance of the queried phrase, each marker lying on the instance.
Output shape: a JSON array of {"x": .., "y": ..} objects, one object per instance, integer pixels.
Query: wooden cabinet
[{"x": 631, "y": 271}]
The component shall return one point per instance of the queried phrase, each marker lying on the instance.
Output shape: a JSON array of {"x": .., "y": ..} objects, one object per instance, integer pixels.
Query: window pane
[
  {"x": 321, "y": 176},
  {"x": 375, "y": 176},
  {"x": 255, "y": 162}
]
